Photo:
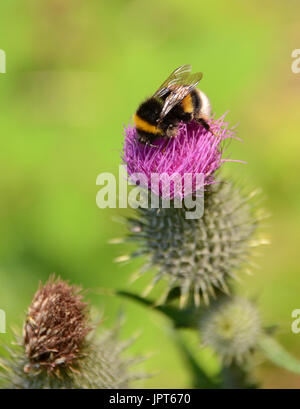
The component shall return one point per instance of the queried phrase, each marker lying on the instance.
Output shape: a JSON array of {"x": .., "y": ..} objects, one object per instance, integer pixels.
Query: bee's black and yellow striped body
[
  {"x": 150, "y": 125},
  {"x": 146, "y": 118}
]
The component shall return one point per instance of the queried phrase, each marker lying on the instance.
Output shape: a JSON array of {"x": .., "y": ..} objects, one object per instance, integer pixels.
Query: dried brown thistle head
[{"x": 55, "y": 328}]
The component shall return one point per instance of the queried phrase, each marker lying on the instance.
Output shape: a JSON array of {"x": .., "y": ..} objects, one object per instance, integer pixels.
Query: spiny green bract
[
  {"x": 198, "y": 255},
  {"x": 101, "y": 366}
]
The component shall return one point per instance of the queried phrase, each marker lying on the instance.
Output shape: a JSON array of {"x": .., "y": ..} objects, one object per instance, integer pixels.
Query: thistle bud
[
  {"x": 55, "y": 328},
  {"x": 59, "y": 350},
  {"x": 232, "y": 328}
]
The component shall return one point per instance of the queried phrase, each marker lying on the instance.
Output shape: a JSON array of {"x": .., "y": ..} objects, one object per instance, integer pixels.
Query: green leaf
[
  {"x": 200, "y": 379},
  {"x": 278, "y": 355},
  {"x": 181, "y": 318}
]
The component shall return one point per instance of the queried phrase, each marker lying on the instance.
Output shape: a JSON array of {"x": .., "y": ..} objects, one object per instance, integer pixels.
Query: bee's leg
[
  {"x": 145, "y": 141},
  {"x": 205, "y": 124},
  {"x": 153, "y": 146},
  {"x": 142, "y": 140}
]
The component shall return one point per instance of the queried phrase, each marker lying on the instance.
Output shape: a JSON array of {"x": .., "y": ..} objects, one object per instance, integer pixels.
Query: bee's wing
[
  {"x": 173, "y": 79},
  {"x": 180, "y": 83}
]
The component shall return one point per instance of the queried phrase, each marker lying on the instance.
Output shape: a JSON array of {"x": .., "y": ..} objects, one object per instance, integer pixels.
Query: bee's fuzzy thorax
[
  {"x": 187, "y": 104},
  {"x": 144, "y": 126}
]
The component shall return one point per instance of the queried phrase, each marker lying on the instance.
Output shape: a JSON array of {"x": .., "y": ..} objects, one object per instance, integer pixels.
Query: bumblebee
[{"x": 176, "y": 100}]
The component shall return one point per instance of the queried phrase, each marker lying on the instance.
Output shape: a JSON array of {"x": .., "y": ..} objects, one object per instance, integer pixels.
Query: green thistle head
[
  {"x": 200, "y": 255},
  {"x": 232, "y": 328}
]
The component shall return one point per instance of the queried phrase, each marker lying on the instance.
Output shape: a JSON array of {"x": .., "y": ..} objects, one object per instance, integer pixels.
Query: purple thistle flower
[{"x": 194, "y": 151}]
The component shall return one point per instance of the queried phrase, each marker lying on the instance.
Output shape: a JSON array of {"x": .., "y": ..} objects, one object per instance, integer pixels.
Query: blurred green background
[{"x": 75, "y": 74}]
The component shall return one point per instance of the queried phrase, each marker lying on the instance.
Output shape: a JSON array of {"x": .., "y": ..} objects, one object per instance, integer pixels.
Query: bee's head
[{"x": 150, "y": 110}]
